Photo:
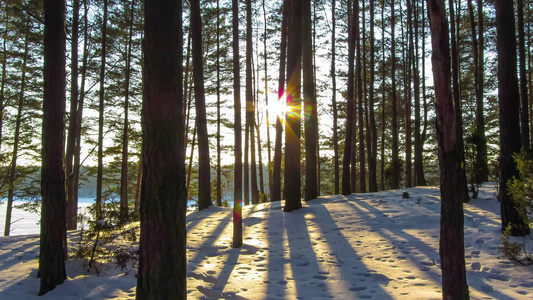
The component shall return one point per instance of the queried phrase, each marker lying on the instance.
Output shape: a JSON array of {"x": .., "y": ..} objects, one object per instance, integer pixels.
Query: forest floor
[{"x": 363, "y": 246}]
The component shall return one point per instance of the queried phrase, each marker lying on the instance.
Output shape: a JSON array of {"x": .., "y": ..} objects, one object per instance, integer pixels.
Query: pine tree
[{"x": 52, "y": 254}]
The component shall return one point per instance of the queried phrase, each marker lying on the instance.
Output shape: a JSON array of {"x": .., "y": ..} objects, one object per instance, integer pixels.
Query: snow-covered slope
[{"x": 365, "y": 246}]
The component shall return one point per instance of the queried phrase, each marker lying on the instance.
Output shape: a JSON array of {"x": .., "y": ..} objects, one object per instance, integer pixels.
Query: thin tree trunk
[
  {"x": 395, "y": 159},
  {"x": 269, "y": 147},
  {"x": 250, "y": 105},
  {"x": 124, "y": 199},
  {"x": 16, "y": 138},
  {"x": 408, "y": 99},
  {"x": 419, "y": 144},
  {"x": 189, "y": 172},
  {"x": 457, "y": 103},
  {"x": 481, "y": 149},
  {"x": 72, "y": 202},
  {"x": 101, "y": 106},
  {"x": 72, "y": 207},
  {"x": 347, "y": 155},
  {"x": 237, "y": 187},
  {"x": 382, "y": 163},
  {"x": 275, "y": 193},
  {"x": 204, "y": 172},
  {"x": 524, "y": 112},
  {"x": 360, "y": 87},
  {"x": 372, "y": 158},
  {"x": 311, "y": 189},
  {"x": 260, "y": 166},
  {"x": 52, "y": 254},
  {"x": 454, "y": 284},
  {"x": 4, "y": 75},
  {"x": 219, "y": 149},
  {"x": 164, "y": 197},
  {"x": 334, "y": 102},
  {"x": 293, "y": 120}
]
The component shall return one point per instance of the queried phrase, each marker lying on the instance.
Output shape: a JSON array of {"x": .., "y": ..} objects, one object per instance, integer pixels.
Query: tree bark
[
  {"x": 509, "y": 104},
  {"x": 16, "y": 138},
  {"x": 360, "y": 111},
  {"x": 524, "y": 110},
  {"x": 454, "y": 284},
  {"x": 310, "y": 121},
  {"x": 347, "y": 155},
  {"x": 101, "y": 107},
  {"x": 237, "y": 187},
  {"x": 52, "y": 254},
  {"x": 336, "y": 185},
  {"x": 72, "y": 202},
  {"x": 395, "y": 183},
  {"x": 124, "y": 198},
  {"x": 458, "y": 104},
  {"x": 250, "y": 104},
  {"x": 275, "y": 193},
  {"x": 162, "y": 250},
  {"x": 204, "y": 173},
  {"x": 219, "y": 149},
  {"x": 293, "y": 117},
  {"x": 372, "y": 159}
]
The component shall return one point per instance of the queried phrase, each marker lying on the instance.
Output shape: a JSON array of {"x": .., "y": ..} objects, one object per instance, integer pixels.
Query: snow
[{"x": 364, "y": 246}]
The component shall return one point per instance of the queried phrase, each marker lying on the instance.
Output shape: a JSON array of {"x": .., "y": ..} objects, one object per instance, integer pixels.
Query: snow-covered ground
[{"x": 365, "y": 246}]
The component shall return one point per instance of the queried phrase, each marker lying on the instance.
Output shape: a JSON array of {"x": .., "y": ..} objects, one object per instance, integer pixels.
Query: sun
[{"x": 277, "y": 108}]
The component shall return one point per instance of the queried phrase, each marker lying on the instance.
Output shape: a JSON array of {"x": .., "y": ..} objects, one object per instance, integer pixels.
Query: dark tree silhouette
[
  {"x": 52, "y": 254},
  {"x": 204, "y": 181},
  {"x": 310, "y": 106},
  {"x": 293, "y": 199},
  {"x": 509, "y": 104},
  {"x": 237, "y": 205},
  {"x": 275, "y": 194},
  {"x": 162, "y": 254},
  {"x": 454, "y": 285}
]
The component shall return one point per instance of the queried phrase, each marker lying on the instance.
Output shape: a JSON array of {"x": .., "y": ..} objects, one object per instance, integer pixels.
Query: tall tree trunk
[
  {"x": 360, "y": 87},
  {"x": 372, "y": 158},
  {"x": 419, "y": 145},
  {"x": 408, "y": 99},
  {"x": 52, "y": 254},
  {"x": 72, "y": 207},
  {"x": 16, "y": 138},
  {"x": 311, "y": 189},
  {"x": 237, "y": 187},
  {"x": 382, "y": 163},
  {"x": 269, "y": 146},
  {"x": 454, "y": 284},
  {"x": 204, "y": 173},
  {"x": 164, "y": 197},
  {"x": 275, "y": 193},
  {"x": 336, "y": 185},
  {"x": 509, "y": 104},
  {"x": 395, "y": 158},
  {"x": 481, "y": 147},
  {"x": 72, "y": 202},
  {"x": 524, "y": 112},
  {"x": 99, "y": 176},
  {"x": 457, "y": 104},
  {"x": 293, "y": 119},
  {"x": 124, "y": 199},
  {"x": 250, "y": 104},
  {"x": 219, "y": 149},
  {"x": 4, "y": 75},
  {"x": 350, "y": 122}
]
